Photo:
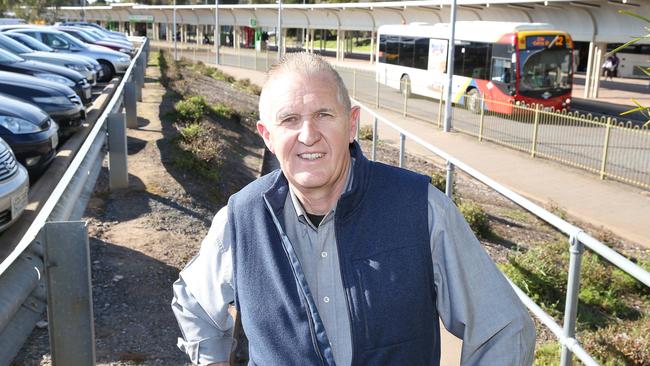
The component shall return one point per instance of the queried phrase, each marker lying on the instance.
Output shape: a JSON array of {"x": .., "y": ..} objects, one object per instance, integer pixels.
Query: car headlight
[
  {"x": 56, "y": 79},
  {"x": 52, "y": 100},
  {"x": 124, "y": 59},
  {"x": 18, "y": 125},
  {"x": 76, "y": 67}
]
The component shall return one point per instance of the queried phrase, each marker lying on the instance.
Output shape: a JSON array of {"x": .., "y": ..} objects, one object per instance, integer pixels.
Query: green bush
[
  {"x": 191, "y": 109},
  {"x": 222, "y": 110},
  {"x": 476, "y": 217},
  {"x": 365, "y": 133},
  {"x": 190, "y": 132}
]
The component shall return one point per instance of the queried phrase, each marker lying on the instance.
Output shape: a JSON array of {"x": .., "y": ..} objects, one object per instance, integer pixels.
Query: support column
[
  {"x": 372, "y": 46},
  {"x": 131, "y": 29},
  {"x": 284, "y": 41},
  {"x": 590, "y": 70},
  {"x": 237, "y": 37},
  {"x": 311, "y": 39},
  {"x": 338, "y": 45},
  {"x": 601, "y": 49},
  {"x": 199, "y": 34}
]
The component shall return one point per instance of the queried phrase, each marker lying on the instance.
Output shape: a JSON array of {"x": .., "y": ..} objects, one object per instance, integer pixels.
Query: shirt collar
[{"x": 300, "y": 211}]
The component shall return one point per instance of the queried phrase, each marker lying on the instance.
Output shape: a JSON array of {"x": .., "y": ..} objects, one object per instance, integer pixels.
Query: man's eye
[
  {"x": 288, "y": 120},
  {"x": 324, "y": 115}
]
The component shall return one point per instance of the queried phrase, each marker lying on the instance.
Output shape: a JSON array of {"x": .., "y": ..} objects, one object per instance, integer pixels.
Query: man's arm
[
  {"x": 475, "y": 302},
  {"x": 202, "y": 295}
]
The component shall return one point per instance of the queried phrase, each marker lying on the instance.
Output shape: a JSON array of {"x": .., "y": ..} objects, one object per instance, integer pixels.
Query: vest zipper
[
  {"x": 286, "y": 242},
  {"x": 347, "y": 294}
]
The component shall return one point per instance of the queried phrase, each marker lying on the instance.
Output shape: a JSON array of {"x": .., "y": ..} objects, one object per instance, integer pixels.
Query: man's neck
[{"x": 321, "y": 201}]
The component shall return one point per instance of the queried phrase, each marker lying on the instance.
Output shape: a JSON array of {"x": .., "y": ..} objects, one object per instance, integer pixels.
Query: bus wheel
[
  {"x": 405, "y": 86},
  {"x": 473, "y": 102}
]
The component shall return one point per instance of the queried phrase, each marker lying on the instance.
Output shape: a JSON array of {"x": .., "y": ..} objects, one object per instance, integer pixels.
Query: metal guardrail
[
  {"x": 577, "y": 240},
  {"x": 52, "y": 259}
]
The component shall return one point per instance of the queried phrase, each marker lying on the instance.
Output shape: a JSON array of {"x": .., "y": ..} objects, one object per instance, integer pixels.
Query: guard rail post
[
  {"x": 449, "y": 187},
  {"x": 533, "y": 147},
  {"x": 130, "y": 103},
  {"x": 406, "y": 96},
  {"x": 576, "y": 248},
  {"x": 69, "y": 293},
  {"x": 136, "y": 80},
  {"x": 117, "y": 152},
  {"x": 377, "y": 94},
  {"x": 402, "y": 141},
  {"x": 374, "y": 138},
  {"x": 603, "y": 161},
  {"x": 143, "y": 69}
]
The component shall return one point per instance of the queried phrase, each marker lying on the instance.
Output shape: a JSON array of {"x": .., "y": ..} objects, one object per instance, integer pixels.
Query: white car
[{"x": 14, "y": 186}]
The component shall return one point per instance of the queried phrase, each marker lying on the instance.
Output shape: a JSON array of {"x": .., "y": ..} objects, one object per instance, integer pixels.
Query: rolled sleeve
[
  {"x": 202, "y": 295},
  {"x": 475, "y": 302}
]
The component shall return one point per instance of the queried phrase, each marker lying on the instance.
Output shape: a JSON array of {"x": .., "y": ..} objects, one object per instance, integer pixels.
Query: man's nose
[{"x": 309, "y": 133}]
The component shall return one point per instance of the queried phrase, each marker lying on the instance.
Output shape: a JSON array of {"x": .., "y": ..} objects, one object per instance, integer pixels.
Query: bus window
[
  {"x": 392, "y": 50},
  {"x": 421, "y": 53},
  {"x": 472, "y": 59},
  {"x": 502, "y": 70},
  {"x": 406, "y": 49}
]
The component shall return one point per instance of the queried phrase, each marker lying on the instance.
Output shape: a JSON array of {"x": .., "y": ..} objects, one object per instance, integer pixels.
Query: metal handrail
[{"x": 577, "y": 237}]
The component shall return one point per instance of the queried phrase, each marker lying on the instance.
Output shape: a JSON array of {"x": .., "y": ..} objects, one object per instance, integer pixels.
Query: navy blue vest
[{"x": 383, "y": 243}]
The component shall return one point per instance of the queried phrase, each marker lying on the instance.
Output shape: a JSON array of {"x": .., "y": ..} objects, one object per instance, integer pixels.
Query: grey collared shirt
[{"x": 474, "y": 300}]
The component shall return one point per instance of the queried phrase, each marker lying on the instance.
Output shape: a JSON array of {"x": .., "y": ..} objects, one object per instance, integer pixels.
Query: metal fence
[
  {"x": 577, "y": 240},
  {"x": 51, "y": 263},
  {"x": 611, "y": 148}
]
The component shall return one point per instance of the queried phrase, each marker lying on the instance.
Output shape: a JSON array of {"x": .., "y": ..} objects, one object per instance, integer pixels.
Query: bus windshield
[{"x": 545, "y": 70}]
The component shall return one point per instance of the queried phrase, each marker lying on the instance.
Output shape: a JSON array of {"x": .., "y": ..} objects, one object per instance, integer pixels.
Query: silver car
[
  {"x": 14, "y": 186},
  {"x": 34, "y": 44},
  {"x": 112, "y": 62},
  {"x": 81, "y": 66}
]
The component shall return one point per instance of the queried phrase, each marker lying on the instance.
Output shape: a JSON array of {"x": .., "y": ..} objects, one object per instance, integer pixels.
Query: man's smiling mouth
[{"x": 311, "y": 156}]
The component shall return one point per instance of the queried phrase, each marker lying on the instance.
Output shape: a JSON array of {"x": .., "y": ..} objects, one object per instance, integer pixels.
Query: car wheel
[
  {"x": 405, "y": 86},
  {"x": 473, "y": 101},
  {"x": 107, "y": 69}
]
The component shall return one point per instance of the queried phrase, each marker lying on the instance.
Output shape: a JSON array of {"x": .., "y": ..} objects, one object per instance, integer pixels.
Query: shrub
[
  {"x": 191, "y": 109},
  {"x": 476, "y": 217},
  {"x": 365, "y": 133},
  {"x": 223, "y": 110},
  {"x": 190, "y": 132}
]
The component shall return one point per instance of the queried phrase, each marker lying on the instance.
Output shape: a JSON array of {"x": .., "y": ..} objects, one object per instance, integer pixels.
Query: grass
[{"x": 611, "y": 303}]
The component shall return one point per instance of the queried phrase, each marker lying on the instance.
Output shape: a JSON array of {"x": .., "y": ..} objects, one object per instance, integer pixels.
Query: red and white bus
[{"x": 507, "y": 62}]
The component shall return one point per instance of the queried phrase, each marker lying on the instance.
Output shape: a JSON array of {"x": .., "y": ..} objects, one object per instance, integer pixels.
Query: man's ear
[
  {"x": 266, "y": 135},
  {"x": 355, "y": 113}
]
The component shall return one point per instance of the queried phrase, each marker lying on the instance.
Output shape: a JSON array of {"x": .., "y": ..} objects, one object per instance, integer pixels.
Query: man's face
[{"x": 308, "y": 130}]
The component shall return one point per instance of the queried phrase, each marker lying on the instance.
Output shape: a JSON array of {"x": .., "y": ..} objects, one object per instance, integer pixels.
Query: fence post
[
  {"x": 480, "y": 124},
  {"x": 442, "y": 89},
  {"x": 69, "y": 293},
  {"x": 603, "y": 163},
  {"x": 377, "y": 94},
  {"x": 402, "y": 141},
  {"x": 405, "y": 98},
  {"x": 449, "y": 186},
  {"x": 118, "y": 176},
  {"x": 130, "y": 104},
  {"x": 374, "y": 138},
  {"x": 354, "y": 83},
  {"x": 576, "y": 249},
  {"x": 533, "y": 148}
]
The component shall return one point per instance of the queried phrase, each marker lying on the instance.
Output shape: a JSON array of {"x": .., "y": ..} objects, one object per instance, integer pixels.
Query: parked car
[
  {"x": 86, "y": 36},
  {"x": 112, "y": 62},
  {"x": 31, "y": 133},
  {"x": 102, "y": 34},
  {"x": 58, "y": 74},
  {"x": 14, "y": 186},
  {"x": 96, "y": 26},
  {"x": 36, "y": 45},
  {"x": 81, "y": 66},
  {"x": 59, "y": 101}
]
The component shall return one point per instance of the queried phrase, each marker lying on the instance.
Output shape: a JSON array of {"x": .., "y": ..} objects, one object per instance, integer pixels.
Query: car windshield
[
  {"x": 7, "y": 57},
  {"x": 88, "y": 34},
  {"x": 545, "y": 69},
  {"x": 30, "y": 42},
  {"x": 72, "y": 40},
  {"x": 13, "y": 46}
]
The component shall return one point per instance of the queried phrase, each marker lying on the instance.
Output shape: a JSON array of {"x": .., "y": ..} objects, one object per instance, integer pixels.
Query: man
[{"x": 338, "y": 260}]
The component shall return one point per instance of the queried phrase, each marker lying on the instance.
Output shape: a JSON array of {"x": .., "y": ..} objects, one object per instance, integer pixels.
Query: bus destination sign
[{"x": 550, "y": 41}]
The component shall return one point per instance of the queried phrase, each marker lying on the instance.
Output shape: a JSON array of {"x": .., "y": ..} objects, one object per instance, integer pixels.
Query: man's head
[{"x": 307, "y": 122}]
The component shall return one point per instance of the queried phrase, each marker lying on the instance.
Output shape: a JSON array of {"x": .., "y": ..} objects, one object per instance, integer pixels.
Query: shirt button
[
  {"x": 326, "y": 299},
  {"x": 323, "y": 254}
]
